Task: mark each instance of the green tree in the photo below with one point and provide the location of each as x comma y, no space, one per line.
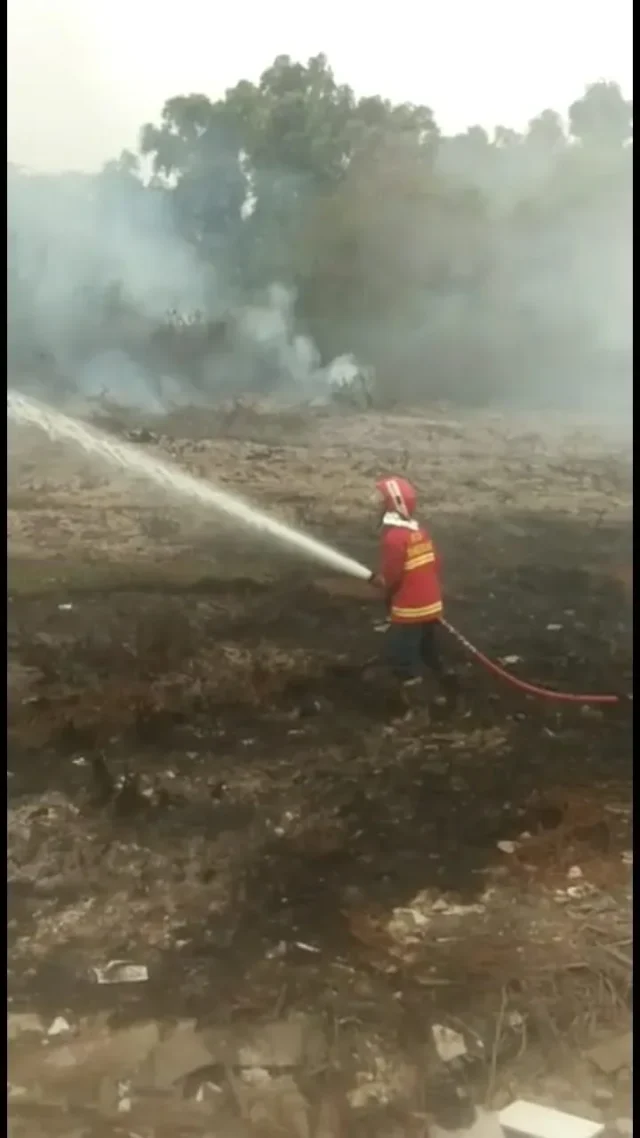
602,118
454,264
546,132
197,152
277,143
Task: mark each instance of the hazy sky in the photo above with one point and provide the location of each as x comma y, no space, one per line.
83,75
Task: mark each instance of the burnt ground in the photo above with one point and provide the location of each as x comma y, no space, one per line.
203,780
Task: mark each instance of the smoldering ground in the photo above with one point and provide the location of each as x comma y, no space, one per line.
199,781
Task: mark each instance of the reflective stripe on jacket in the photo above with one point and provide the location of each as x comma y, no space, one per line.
409,566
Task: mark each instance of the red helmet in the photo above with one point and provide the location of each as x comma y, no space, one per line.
398,495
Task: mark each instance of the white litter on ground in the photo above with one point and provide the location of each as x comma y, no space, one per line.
59,1026
530,1120
449,1044
121,972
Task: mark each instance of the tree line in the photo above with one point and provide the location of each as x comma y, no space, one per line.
481,266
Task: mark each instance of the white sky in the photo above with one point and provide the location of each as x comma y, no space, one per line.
83,75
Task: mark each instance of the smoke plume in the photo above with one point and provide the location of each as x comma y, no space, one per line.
490,269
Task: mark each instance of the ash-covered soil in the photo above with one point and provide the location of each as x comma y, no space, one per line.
203,780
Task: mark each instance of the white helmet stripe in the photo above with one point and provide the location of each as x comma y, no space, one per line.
398,500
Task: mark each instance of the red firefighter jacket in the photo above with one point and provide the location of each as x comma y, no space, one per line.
409,567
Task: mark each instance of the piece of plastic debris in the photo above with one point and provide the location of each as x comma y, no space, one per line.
65,608
306,947
59,1026
373,1089
554,627
627,857
531,1120
591,712
507,847
124,1106
256,1076
208,1090
449,1044
579,892
440,905
79,762
511,659
574,873
121,972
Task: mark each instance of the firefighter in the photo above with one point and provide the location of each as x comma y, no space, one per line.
409,577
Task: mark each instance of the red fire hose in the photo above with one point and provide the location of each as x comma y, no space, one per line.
532,689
